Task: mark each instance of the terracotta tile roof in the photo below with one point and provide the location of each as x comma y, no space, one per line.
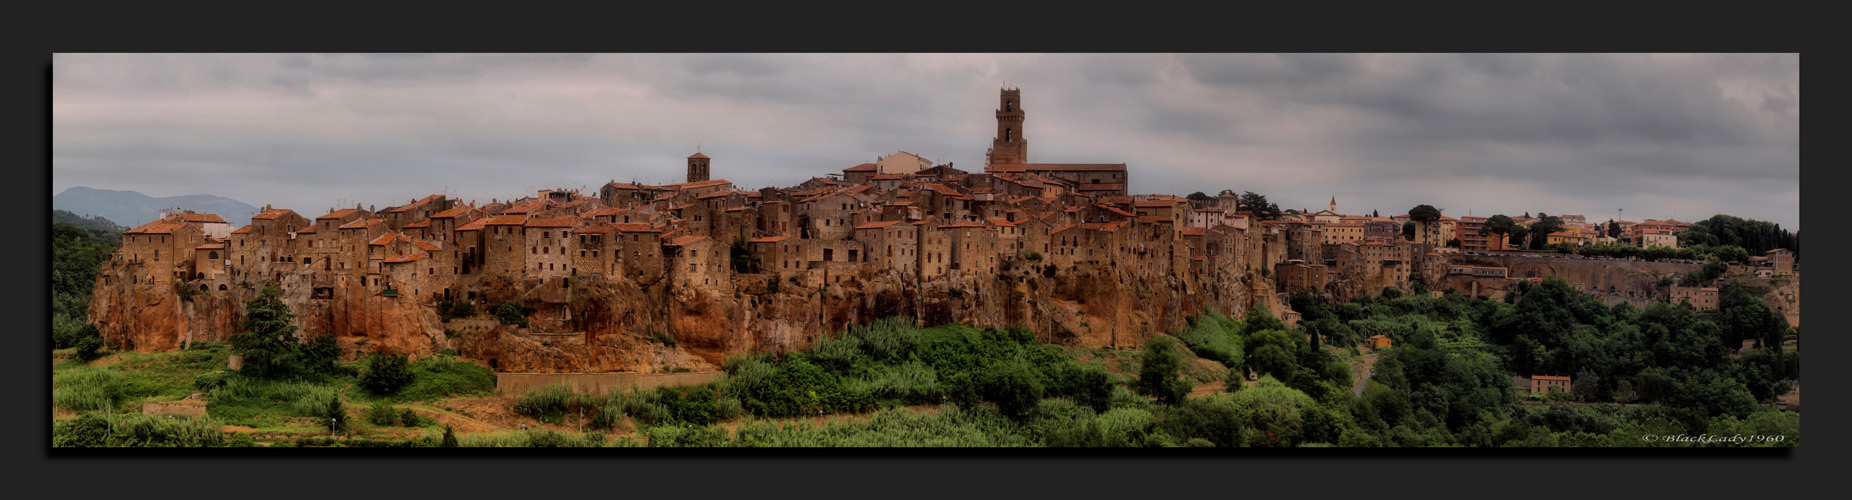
963,225
475,225
428,246
635,228
877,225
946,191
865,167
716,194
306,230
686,240
384,239
697,155
702,184
1549,377
1063,228
362,223
737,209
1116,210
403,258
505,220
422,223
597,229
1103,226
272,214
550,222
211,246
770,239
415,204
1192,231
1199,257
452,213
1002,222
202,218
339,214
622,185
247,229
1153,219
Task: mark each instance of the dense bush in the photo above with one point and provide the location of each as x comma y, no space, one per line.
382,414
386,374
510,313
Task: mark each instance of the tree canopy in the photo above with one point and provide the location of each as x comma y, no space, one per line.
1424,213
1258,205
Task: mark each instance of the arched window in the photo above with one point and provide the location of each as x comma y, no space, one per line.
1006,135
1009,106
221,287
213,255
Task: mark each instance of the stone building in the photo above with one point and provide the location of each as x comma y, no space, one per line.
697,168
546,241
889,245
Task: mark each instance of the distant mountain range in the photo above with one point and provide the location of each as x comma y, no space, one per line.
132,209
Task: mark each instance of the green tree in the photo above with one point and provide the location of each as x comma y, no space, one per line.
268,343
1014,387
1258,205
1160,373
1201,196
1499,224
385,374
1424,213
1408,230
1540,230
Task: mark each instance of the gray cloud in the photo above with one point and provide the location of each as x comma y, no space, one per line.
1691,134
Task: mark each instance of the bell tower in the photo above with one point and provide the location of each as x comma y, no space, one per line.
1009,146
697,168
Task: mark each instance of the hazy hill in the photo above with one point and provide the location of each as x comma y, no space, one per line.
129,208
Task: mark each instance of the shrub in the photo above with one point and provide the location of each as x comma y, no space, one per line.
686,437
458,309
386,374
510,313
546,404
89,348
1088,385
1014,387
381,413
450,438
410,418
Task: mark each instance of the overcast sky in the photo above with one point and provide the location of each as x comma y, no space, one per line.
1656,135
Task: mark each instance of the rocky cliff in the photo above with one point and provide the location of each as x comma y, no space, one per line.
590,324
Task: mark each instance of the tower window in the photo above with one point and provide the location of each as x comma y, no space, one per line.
1006,134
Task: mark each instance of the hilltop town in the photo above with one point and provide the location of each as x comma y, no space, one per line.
1065,249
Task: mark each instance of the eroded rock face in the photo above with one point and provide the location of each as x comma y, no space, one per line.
590,324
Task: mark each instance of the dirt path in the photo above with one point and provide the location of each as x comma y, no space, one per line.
1361,370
